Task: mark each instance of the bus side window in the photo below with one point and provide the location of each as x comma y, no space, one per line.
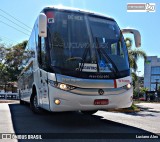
43,53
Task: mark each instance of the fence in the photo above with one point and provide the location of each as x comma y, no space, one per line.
10,96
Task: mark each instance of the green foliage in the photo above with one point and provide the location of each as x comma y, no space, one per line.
143,90
134,56
134,78
135,94
11,61
133,107
3,74
128,42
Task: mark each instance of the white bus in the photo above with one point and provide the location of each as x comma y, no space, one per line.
76,61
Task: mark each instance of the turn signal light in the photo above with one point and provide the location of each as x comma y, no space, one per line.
57,101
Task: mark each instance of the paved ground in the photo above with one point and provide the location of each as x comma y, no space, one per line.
16,118
6,124
152,107
148,119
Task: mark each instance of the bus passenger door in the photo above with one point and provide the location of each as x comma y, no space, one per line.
44,89
43,76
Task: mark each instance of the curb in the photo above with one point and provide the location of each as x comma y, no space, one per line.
8,101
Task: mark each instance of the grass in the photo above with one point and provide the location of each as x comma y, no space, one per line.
133,108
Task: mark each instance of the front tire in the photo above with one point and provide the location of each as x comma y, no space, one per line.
34,104
89,112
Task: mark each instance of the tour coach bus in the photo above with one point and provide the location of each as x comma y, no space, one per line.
76,60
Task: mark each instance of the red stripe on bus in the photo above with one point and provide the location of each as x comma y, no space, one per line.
50,14
115,83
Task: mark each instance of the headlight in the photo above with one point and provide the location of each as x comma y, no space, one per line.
61,85
128,86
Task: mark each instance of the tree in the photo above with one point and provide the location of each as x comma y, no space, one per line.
3,69
134,78
14,60
3,74
134,56
11,61
143,90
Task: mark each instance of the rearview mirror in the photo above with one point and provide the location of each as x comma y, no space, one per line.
137,36
42,25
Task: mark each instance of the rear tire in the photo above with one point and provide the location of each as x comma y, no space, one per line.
89,112
34,104
22,102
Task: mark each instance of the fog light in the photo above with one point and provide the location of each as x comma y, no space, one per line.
63,86
57,102
129,86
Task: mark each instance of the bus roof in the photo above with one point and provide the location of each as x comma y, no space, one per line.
61,7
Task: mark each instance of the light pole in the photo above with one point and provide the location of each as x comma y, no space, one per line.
138,83
156,91
156,84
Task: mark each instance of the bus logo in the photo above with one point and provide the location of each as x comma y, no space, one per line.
141,7
100,91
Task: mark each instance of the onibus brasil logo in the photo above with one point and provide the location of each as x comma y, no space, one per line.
141,7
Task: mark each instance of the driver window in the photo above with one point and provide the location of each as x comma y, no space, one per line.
114,49
43,52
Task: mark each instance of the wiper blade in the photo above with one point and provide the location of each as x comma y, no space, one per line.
108,59
83,58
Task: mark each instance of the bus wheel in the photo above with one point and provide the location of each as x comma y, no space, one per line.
34,104
89,112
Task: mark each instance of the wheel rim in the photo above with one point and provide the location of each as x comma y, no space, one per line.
35,102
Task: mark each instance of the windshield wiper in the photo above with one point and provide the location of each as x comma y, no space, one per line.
108,59
83,58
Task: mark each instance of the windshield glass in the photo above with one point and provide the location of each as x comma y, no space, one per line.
85,43
111,42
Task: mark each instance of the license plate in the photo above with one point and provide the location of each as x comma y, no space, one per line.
101,102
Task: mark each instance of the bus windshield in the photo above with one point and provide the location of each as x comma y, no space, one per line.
86,43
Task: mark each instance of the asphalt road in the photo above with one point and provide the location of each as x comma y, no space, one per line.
16,118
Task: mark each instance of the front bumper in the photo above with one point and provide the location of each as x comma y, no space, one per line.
75,102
